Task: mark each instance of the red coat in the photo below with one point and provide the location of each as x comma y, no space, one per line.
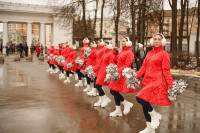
71,59
125,59
56,52
99,54
51,51
81,56
65,53
91,59
108,57
60,49
157,77
38,49
115,56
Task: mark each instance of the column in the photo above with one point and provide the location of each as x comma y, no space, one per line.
5,35
29,35
42,38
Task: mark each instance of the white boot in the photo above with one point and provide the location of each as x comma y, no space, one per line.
155,117
85,82
76,76
80,83
87,88
56,70
49,69
93,92
127,106
70,75
117,112
53,71
98,104
62,76
106,101
67,80
148,129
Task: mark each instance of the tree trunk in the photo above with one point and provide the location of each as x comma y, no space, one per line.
101,28
133,24
197,37
183,5
174,32
188,42
84,19
143,21
139,22
95,18
117,21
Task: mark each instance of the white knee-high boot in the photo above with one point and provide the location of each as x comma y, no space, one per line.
117,112
127,106
87,88
106,101
155,119
148,129
98,104
80,83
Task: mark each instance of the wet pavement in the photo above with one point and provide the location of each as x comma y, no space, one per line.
33,101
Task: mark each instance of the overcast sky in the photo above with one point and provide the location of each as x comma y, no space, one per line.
89,6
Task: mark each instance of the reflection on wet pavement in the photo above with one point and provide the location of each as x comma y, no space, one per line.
33,101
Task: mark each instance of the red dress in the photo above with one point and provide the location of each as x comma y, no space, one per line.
125,59
108,57
65,53
71,59
56,52
157,77
97,65
51,51
38,49
81,56
91,59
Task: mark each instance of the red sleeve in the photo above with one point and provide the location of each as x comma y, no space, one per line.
166,70
81,54
129,61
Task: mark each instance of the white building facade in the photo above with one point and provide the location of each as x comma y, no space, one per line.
30,14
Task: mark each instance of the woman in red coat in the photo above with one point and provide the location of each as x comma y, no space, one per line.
53,62
78,67
38,50
51,51
157,79
107,58
64,53
125,59
71,59
90,61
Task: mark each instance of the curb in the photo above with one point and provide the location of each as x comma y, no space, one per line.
184,72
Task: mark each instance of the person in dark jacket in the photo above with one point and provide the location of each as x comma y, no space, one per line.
32,49
149,48
139,56
21,48
42,49
26,50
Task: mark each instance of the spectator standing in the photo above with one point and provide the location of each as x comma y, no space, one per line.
26,50
38,50
7,49
21,50
42,49
139,56
32,49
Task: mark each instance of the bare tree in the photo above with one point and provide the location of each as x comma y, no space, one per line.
183,6
84,18
173,5
95,18
197,37
117,21
101,28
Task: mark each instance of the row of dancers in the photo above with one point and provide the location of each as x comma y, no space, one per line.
155,69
